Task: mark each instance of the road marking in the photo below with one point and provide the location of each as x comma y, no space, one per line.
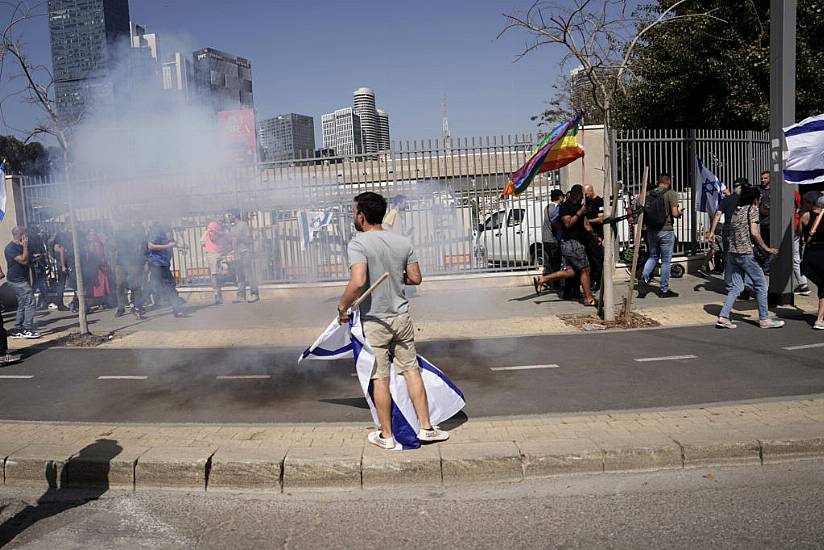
244,377
122,377
667,358
805,346
526,367
15,377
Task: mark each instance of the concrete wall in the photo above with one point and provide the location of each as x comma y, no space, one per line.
590,169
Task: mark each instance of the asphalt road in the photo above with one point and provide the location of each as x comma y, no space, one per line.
595,371
751,507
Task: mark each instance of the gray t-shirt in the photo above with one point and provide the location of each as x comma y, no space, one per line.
383,252
547,235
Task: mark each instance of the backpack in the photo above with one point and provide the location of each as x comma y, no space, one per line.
655,209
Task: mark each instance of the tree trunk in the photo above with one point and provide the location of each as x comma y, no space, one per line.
608,273
78,270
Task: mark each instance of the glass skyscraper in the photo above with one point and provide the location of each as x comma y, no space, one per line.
85,38
224,81
286,137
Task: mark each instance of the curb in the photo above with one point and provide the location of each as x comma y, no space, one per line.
280,470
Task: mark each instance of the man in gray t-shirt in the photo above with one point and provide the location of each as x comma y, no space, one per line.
385,314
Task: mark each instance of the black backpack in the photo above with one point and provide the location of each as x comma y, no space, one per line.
655,209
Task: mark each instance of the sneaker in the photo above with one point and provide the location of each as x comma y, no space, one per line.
253,297
16,334
8,359
643,288
723,322
668,294
31,335
376,438
804,290
52,306
819,325
771,323
432,435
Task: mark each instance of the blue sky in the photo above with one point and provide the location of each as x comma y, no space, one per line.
308,56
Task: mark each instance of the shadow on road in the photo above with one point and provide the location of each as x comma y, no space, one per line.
96,463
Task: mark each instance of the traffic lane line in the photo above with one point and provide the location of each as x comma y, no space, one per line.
804,346
15,377
525,367
666,358
244,377
122,377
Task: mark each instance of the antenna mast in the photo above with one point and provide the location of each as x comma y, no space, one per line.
447,138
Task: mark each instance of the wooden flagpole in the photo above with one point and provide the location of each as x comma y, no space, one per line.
369,290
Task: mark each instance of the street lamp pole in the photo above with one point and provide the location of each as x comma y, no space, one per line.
782,114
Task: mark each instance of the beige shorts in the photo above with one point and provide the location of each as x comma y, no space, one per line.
396,336
214,263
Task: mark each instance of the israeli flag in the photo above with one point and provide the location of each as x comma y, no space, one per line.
311,223
445,399
804,158
708,190
2,189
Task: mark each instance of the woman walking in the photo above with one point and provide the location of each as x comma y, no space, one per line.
811,233
745,229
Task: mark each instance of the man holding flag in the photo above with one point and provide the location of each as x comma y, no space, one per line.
387,326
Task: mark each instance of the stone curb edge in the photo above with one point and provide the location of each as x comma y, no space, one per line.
281,470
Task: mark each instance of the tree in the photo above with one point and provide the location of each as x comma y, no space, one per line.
35,88
25,158
601,36
715,72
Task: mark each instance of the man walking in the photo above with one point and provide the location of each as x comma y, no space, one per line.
17,260
6,358
131,251
385,313
243,244
595,244
160,260
660,235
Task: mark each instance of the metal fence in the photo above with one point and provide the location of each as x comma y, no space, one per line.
727,153
300,210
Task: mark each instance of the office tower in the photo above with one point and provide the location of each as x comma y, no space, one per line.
178,76
364,104
383,130
224,81
286,137
87,39
342,132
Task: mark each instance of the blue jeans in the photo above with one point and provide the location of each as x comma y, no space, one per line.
24,320
661,244
744,266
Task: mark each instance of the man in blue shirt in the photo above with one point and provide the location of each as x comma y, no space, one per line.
17,260
160,262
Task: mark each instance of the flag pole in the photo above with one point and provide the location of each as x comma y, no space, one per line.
369,290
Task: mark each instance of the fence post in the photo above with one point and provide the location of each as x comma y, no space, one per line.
692,149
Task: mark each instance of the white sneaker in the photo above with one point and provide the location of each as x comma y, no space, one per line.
723,322
771,323
433,435
819,325
376,438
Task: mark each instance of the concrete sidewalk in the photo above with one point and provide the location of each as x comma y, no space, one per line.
488,306
289,458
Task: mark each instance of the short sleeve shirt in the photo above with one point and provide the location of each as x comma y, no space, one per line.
17,272
740,236
670,201
547,232
595,208
383,252
727,208
577,232
161,258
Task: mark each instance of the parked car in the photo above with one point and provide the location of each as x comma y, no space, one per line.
512,233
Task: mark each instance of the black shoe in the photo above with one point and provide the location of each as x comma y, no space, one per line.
61,307
745,295
643,288
120,313
668,294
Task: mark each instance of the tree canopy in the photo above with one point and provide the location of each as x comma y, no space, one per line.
714,72
31,159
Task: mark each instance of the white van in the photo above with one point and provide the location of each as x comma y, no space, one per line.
512,233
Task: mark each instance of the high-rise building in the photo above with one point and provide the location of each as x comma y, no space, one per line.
144,71
373,135
364,104
86,38
583,93
383,130
224,81
178,76
342,132
286,137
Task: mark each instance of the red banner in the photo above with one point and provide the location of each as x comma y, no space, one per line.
238,131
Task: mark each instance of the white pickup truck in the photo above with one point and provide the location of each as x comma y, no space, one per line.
512,233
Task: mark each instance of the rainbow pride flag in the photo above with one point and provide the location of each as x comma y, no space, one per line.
557,149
